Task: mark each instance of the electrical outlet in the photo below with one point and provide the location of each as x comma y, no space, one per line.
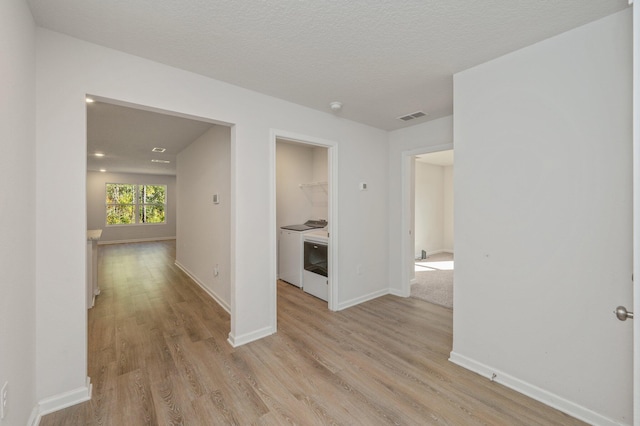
3,399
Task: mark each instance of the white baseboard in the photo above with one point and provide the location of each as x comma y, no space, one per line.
60,401
532,391
135,240
398,292
431,253
34,418
362,299
236,341
195,279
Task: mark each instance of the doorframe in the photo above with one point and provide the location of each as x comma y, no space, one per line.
232,184
408,195
636,210
332,215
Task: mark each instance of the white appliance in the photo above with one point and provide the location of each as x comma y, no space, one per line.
315,276
290,250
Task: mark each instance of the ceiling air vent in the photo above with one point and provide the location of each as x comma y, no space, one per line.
412,116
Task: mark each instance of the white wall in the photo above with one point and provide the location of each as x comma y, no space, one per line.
433,135
429,208
300,164
17,216
203,234
319,196
294,165
67,69
543,219
447,237
97,214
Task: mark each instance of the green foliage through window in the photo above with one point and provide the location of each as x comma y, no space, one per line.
130,204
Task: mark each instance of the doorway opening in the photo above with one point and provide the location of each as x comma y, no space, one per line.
304,206
427,175
433,228
138,152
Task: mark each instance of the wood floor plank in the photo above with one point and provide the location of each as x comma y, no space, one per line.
193,383
134,400
190,320
215,405
158,354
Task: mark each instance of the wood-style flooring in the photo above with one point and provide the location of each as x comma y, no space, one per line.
158,355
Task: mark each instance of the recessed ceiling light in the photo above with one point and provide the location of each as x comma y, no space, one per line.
156,149
89,100
103,170
99,154
160,161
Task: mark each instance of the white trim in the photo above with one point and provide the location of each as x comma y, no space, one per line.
213,295
34,418
334,260
396,292
362,299
243,339
636,213
432,252
233,224
273,234
59,402
532,391
135,240
407,231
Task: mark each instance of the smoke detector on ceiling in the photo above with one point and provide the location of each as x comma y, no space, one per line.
335,106
413,116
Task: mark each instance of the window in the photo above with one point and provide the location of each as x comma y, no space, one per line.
130,204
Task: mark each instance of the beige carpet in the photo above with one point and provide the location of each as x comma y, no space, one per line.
434,280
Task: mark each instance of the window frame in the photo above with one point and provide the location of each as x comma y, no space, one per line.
137,204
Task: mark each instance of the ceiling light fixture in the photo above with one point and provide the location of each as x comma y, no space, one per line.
103,170
156,149
89,100
160,161
99,154
335,106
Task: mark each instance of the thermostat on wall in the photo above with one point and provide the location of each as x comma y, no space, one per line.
363,186
216,199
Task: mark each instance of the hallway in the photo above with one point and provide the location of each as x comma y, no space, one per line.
158,355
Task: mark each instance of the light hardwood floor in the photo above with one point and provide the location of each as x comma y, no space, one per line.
158,355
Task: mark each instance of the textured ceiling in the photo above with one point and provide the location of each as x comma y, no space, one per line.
381,58
126,136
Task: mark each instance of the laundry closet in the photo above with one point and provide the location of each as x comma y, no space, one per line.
302,194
